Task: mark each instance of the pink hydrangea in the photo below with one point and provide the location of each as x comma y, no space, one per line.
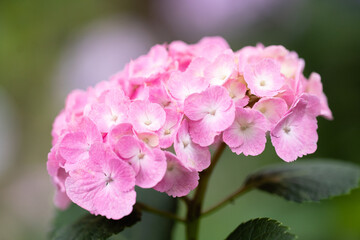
152,124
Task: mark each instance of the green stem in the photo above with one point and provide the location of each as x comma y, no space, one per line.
159,212
195,205
242,190
230,198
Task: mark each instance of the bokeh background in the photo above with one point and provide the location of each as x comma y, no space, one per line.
48,48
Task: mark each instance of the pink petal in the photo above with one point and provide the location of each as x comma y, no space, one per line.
221,69
61,200
146,116
211,112
183,84
273,108
214,106
264,78
118,131
178,181
168,132
152,168
127,147
149,138
295,134
237,91
247,134
201,133
159,95
103,187
74,148
314,87
192,156
149,164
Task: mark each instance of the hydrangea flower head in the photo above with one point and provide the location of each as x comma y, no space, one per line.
151,125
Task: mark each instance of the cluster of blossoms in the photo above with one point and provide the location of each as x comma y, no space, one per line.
119,134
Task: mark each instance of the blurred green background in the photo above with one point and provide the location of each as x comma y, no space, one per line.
48,48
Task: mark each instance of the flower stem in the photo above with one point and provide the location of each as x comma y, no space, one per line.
195,205
230,198
159,212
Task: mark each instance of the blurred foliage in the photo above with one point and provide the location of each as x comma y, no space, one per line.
325,33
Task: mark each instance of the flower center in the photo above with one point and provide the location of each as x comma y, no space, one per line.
141,155
212,112
148,122
244,127
287,130
108,179
114,118
185,143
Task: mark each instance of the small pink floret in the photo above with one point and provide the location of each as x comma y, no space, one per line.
146,116
178,180
247,134
104,185
295,134
192,155
264,78
210,112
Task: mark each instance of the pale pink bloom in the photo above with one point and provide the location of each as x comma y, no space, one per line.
146,116
74,146
117,132
61,199
187,96
277,52
192,155
287,94
292,65
313,107
121,78
96,94
218,72
211,112
314,87
168,132
237,91
149,164
111,110
58,175
201,133
103,185
140,92
295,134
181,53
178,180
249,55
264,78
210,47
149,66
247,134
59,127
52,163
273,108
183,84
159,95
296,82
197,67
75,102
151,139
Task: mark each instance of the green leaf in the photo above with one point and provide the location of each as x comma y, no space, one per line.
306,181
90,227
261,229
